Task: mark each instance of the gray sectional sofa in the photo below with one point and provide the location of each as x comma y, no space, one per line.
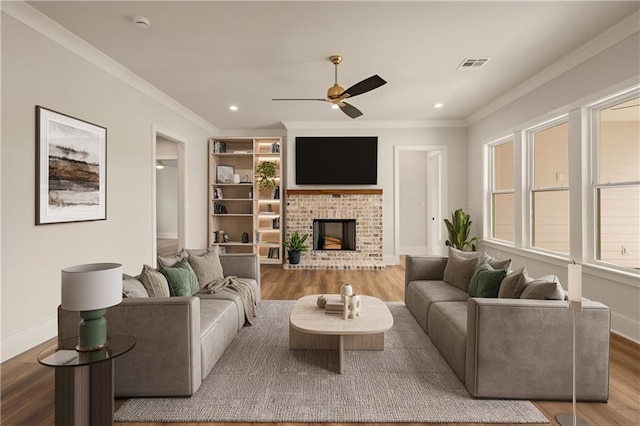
506,347
179,339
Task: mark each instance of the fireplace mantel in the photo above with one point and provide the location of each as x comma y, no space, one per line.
334,191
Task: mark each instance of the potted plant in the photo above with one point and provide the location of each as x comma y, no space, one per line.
459,228
266,171
295,245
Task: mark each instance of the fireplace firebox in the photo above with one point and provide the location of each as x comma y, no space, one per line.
334,234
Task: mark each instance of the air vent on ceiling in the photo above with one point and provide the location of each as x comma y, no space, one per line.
473,63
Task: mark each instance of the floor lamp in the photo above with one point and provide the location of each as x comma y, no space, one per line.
575,306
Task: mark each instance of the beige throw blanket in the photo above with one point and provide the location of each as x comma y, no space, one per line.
237,286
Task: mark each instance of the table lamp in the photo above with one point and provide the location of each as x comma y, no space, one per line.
91,289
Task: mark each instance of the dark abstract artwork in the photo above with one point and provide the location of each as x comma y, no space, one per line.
71,171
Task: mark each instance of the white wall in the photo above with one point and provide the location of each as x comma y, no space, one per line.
453,138
38,71
167,200
613,69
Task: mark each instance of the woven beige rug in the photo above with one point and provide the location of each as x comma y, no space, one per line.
259,379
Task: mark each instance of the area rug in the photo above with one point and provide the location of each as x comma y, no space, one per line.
259,379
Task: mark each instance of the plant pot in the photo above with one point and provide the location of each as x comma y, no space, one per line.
294,257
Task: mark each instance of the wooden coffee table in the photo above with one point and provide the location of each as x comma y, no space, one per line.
311,328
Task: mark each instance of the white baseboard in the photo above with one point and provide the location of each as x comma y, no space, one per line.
391,259
18,342
414,250
167,235
625,327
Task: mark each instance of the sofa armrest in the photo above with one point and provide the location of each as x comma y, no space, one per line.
243,265
523,349
430,268
166,360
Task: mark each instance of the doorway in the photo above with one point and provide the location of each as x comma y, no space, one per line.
419,199
169,194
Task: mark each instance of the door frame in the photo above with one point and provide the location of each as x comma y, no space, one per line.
435,149
181,145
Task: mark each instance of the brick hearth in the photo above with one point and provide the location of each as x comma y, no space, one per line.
365,206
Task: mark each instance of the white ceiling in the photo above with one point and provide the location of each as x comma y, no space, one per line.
208,55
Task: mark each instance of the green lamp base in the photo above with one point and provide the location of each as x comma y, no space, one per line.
92,331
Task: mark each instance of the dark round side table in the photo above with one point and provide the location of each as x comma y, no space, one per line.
84,380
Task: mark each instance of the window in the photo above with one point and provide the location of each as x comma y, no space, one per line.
616,181
549,147
502,217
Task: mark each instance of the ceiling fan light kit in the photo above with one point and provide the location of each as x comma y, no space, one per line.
336,93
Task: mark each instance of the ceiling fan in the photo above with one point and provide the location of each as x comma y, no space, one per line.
337,95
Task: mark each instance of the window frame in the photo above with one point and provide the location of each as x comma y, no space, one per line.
493,191
593,217
532,190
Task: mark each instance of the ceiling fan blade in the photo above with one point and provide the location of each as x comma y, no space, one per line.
299,99
350,110
364,86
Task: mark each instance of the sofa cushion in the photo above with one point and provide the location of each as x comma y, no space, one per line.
422,293
460,267
547,287
182,280
207,267
218,327
486,281
448,332
171,261
133,287
495,262
513,284
154,282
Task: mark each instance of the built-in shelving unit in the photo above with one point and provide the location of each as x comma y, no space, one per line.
238,206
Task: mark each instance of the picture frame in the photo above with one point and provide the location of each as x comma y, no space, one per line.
224,174
71,169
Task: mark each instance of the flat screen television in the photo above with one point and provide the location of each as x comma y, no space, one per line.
336,160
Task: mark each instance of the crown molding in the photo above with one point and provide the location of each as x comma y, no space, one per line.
622,30
37,21
391,124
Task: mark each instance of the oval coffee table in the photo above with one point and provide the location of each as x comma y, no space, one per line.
311,328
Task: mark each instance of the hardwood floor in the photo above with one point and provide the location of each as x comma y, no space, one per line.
28,388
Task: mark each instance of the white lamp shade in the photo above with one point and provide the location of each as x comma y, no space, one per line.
91,286
575,282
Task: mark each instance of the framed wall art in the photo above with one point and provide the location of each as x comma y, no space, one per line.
224,174
71,169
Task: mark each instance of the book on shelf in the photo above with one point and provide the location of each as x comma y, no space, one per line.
274,253
219,147
275,194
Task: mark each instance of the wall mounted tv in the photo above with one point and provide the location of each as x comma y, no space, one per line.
336,160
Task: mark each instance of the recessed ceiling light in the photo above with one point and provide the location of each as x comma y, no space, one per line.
141,22
233,108
438,105
335,106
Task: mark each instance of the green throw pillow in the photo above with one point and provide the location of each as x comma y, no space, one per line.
485,281
489,282
473,283
182,280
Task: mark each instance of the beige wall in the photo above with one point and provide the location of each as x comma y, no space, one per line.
37,71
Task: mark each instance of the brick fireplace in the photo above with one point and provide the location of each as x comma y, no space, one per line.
364,207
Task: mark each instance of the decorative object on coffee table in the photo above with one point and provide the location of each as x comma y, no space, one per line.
345,290
353,302
296,245
575,305
322,301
